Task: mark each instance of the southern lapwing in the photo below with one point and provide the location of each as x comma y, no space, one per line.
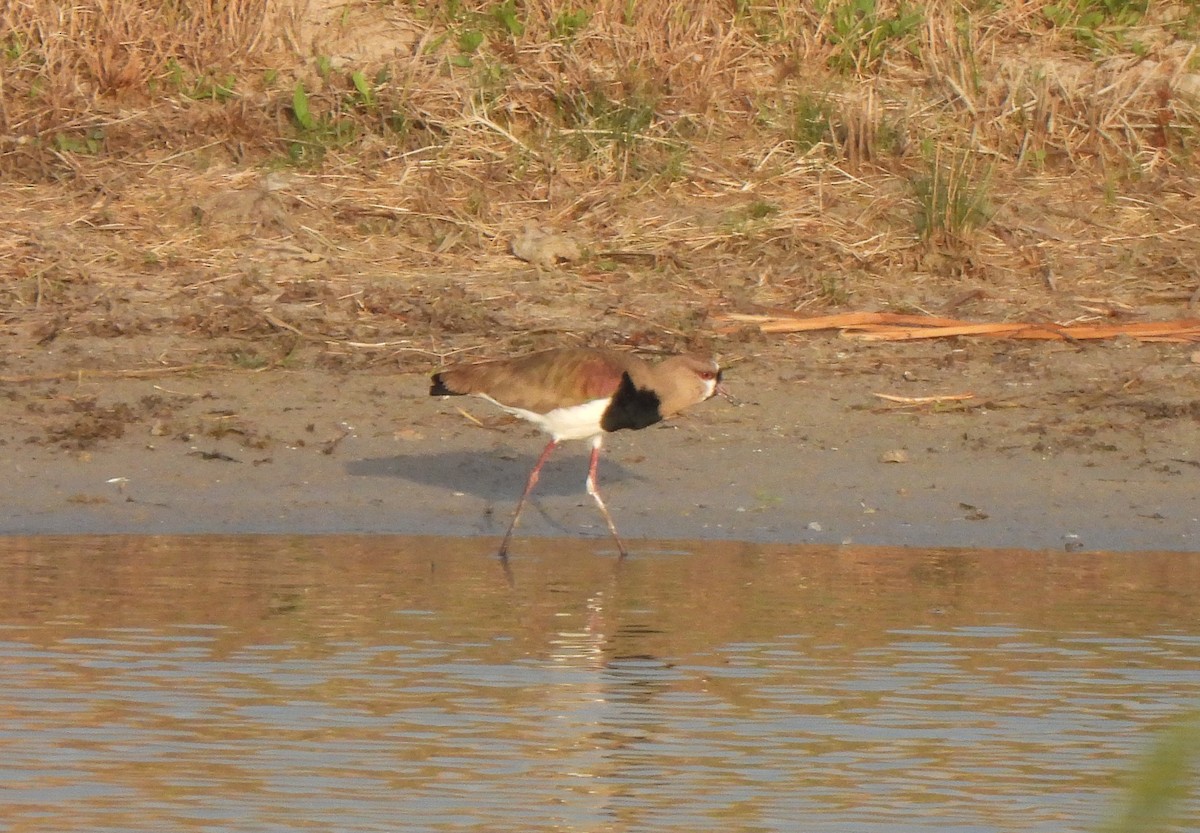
581,393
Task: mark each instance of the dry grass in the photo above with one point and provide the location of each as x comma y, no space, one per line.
339,181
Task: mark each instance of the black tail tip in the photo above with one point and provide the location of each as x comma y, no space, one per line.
438,388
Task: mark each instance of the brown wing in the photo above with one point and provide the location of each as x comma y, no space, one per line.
543,381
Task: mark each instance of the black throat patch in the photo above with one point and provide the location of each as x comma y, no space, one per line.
438,388
631,407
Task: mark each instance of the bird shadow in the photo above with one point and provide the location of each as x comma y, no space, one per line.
491,476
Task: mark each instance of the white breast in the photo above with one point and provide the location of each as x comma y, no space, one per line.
578,422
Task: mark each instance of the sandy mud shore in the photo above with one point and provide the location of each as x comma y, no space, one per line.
1060,446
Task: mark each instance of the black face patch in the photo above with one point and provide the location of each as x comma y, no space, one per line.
631,407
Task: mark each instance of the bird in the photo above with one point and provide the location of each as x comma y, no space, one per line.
583,393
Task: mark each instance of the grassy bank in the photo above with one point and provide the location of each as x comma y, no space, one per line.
353,174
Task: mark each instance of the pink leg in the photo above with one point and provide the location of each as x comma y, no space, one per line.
594,491
533,479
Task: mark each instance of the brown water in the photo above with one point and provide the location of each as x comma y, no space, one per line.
383,684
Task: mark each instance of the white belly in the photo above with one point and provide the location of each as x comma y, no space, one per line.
578,422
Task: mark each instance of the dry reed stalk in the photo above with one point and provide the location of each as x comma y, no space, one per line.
875,326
